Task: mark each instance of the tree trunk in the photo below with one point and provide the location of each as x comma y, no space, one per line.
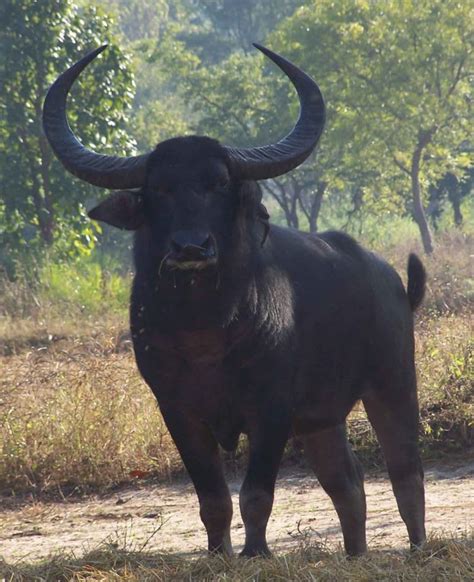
455,199
295,221
418,210
458,217
316,207
44,217
286,199
43,196
45,177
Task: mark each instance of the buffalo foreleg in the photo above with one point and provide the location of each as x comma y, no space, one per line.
340,474
199,451
266,445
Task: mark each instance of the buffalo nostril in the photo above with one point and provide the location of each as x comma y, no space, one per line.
208,247
192,246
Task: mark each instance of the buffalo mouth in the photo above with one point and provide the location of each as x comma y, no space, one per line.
190,265
191,251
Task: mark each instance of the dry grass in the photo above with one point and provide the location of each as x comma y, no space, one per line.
74,412
441,559
450,269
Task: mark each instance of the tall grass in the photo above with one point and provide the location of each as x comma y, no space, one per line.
78,416
85,285
450,270
59,289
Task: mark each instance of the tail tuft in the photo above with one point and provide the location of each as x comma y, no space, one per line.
416,281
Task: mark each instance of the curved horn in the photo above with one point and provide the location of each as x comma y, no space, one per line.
273,160
100,170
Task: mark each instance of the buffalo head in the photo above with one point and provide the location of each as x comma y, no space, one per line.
189,191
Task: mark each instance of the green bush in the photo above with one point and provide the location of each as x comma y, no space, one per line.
84,285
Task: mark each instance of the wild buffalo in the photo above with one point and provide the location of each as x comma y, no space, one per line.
242,327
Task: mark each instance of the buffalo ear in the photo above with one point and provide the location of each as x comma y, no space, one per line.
123,209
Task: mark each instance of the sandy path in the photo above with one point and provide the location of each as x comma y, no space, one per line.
132,517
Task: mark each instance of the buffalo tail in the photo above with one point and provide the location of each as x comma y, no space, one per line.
416,281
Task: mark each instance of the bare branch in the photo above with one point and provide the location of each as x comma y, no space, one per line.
457,78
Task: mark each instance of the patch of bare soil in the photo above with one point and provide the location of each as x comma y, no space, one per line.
166,517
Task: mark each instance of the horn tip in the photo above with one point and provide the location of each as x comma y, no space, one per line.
96,52
275,57
259,46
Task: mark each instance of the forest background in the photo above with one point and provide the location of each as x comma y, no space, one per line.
394,168
395,160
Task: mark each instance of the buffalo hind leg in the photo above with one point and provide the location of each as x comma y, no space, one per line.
340,474
200,453
394,416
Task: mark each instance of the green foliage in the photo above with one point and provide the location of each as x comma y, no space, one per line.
84,286
41,204
220,27
385,106
396,77
140,19
392,74
159,109
95,285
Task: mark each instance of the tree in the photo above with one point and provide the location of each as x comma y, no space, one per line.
404,71
140,19
186,89
245,101
160,112
41,203
216,28
452,188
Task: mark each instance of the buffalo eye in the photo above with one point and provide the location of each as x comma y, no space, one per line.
216,178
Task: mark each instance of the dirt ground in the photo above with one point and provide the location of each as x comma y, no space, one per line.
166,517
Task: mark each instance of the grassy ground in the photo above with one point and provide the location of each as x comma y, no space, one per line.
441,559
74,412
75,416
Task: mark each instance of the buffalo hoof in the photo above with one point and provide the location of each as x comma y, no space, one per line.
418,546
220,552
253,552
356,552
224,549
